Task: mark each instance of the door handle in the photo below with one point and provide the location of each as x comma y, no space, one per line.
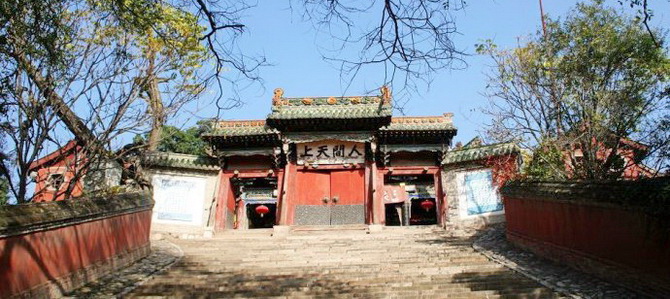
336,199
325,199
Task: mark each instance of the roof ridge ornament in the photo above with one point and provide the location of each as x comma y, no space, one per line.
386,94
277,97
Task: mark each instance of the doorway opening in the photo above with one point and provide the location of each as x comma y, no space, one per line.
256,202
410,200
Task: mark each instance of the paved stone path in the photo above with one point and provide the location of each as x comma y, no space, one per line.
425,262
163,254
576,284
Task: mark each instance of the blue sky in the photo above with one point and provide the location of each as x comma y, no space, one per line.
292,46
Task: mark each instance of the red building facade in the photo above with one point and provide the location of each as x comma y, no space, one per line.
331,161
56,172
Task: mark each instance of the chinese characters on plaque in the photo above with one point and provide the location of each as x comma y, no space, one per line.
330,152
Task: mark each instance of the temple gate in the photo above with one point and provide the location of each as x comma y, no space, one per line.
329,161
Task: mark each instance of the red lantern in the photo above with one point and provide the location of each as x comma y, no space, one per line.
262,210
427,205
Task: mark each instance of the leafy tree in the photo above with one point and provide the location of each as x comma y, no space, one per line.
174,140
97,70
596,79
166,45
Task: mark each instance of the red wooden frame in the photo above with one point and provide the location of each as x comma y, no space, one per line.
226,197
436,171
287,189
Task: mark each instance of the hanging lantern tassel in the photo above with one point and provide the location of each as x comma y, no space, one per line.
262,210
427,205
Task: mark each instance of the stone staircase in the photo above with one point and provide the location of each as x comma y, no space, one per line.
410,262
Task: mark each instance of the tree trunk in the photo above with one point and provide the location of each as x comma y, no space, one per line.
69,118
155,104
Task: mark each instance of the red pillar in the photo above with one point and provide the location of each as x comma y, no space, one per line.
440,197
280,188
287,194
378,203
222,200
368,191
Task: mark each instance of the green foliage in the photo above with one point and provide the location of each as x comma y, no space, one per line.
595,78
160,29
546,163
175,140
4,191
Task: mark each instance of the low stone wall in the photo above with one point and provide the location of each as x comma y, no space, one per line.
618,231
49,249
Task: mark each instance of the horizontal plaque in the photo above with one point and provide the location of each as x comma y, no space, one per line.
330,152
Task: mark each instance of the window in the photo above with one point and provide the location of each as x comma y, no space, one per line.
55,181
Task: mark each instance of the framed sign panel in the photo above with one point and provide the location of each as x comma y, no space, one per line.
478,195
179,199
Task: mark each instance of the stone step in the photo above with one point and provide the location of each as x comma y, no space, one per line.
338,262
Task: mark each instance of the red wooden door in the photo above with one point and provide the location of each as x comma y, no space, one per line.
312,187
348,186
312,202
347,193
329,197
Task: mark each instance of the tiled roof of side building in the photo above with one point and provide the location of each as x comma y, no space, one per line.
232,128
180,161
423,123
330,107
480,152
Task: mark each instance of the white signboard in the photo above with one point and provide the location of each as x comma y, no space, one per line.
179,199
330,152
478,194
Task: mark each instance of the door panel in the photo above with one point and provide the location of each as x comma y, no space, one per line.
345,185
312,215
311,188
347,214
348,186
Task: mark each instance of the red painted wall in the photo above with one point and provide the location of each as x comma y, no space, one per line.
67,166
32,259
598,231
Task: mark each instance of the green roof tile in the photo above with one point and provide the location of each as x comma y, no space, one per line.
330,108
481,152
240,128
330,112
431,123
183,161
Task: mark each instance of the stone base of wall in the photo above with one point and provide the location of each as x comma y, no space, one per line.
63,285
621,274
179,231
474,223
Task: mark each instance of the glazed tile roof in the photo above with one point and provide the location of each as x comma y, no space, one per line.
183,161
426,123
330,108
240,128
480,152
